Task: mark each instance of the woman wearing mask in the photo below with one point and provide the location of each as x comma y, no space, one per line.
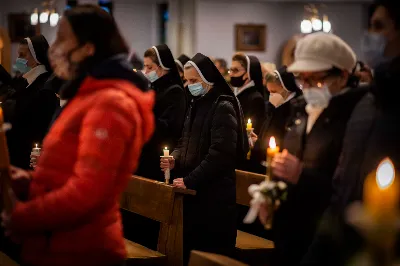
169,110
247,80
214,141
282,88
34,103
180,63
70,215
325,65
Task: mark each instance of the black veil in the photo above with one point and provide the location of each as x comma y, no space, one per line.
167,62
210,75
255,73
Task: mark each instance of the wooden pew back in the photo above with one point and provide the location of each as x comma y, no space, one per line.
243,181
199,258
163,203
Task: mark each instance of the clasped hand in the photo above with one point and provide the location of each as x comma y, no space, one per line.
169,163
287,167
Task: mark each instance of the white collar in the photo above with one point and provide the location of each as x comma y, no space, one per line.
290,97
245,87
35,72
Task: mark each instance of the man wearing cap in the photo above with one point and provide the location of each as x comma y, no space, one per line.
323,66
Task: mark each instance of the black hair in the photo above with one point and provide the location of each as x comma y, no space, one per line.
91,24
352,81
24,42
391,6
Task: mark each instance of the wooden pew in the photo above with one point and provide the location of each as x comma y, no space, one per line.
163,203
250,248
198,258
6,261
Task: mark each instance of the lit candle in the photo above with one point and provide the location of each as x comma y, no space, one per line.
272,149
36,150
381,191
166,152
249,125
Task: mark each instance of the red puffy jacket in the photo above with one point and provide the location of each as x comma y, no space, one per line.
72,216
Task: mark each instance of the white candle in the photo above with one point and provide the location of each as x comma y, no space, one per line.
36,150
166,152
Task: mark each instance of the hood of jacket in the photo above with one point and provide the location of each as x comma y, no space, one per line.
118,76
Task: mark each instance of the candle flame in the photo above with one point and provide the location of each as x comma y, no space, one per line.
249,121
319,85
272,143
36,145
166,148
385,174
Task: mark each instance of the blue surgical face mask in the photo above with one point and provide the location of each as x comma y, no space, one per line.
373,47
197,89
21,65
152,76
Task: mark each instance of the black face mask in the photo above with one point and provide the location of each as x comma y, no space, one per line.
238,82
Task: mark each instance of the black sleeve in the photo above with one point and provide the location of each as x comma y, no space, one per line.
172,118
222,152
258,113
46,103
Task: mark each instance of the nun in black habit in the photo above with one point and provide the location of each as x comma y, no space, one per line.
34,104
247,79
169,109
213,142
180,63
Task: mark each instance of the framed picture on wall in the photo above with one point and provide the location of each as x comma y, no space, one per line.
250,37
19,27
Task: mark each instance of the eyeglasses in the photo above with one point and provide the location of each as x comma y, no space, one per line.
311,82
235,70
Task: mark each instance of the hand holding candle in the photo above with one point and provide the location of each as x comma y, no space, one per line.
166,163
272,150
249,125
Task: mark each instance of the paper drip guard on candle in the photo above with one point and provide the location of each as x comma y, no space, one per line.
167,173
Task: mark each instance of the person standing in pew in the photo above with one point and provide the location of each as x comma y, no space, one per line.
67,214
34,104
213,142
247,81
325,65
373,131
180,63
169,110
282,90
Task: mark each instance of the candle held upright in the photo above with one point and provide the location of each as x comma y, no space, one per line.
167,173
249,130
5,178
381,192
272,150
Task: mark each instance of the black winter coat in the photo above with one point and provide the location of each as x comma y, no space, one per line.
373,133
296,220
274,125
169,112
34,108
253,106
206,158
